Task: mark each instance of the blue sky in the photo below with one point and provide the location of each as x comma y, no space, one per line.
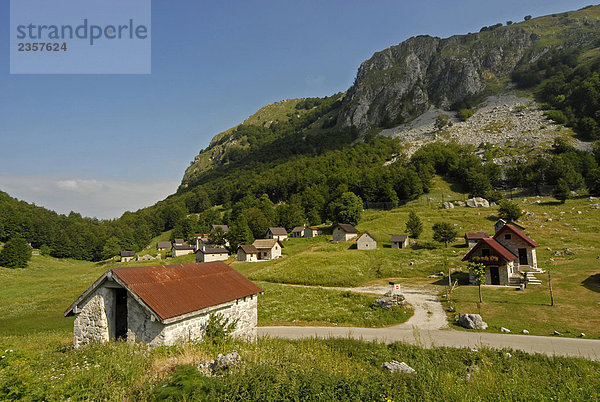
103,144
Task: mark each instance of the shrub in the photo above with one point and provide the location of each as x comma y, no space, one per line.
464,114
15,254
558,116
219,328
509,210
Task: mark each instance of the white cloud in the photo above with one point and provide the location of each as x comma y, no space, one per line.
90,197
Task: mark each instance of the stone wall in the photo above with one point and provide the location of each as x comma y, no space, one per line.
94,320
245,310
201,257
140,327
514,244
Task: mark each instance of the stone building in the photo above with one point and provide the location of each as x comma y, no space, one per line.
312,231
472,238
298,231
277,234
399,241
247,252
366,241
344,232
182,249
268,249
127,256
212,254
163,305
508,257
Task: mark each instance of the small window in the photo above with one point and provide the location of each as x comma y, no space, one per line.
507,236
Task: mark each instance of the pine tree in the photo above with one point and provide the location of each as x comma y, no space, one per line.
414,226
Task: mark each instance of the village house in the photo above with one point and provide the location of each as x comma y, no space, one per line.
508,257
200,239
344,232
163,245
247,253
268,249
312,231
277,234
178,242
212,254
399,241
183,249
472,238
163,305
366,241
127,256
298,231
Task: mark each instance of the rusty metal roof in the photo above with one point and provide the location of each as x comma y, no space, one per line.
173,290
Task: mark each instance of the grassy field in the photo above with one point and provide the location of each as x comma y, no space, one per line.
290,370
316,306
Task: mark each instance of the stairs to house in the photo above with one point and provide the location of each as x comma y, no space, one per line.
532,280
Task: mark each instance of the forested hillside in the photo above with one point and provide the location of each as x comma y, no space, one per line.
305,160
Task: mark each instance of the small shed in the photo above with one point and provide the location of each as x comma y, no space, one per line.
212,254
399,241
312,231
184,249
298,231
277,234
163,305
127,256
247,252
344,232
366,241
472,238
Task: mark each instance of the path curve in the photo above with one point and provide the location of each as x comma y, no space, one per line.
428,327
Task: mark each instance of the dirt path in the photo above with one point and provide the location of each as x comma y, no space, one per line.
429,328
428,311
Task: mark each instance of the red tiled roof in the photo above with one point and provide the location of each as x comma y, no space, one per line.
174,290
518,233
494,245
476,235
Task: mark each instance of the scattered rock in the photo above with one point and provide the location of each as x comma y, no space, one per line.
451,309
460,204
549,220
507,355
493,204
472,321
389,300
556,253
396,367
530,214
224,362
568,252
557,333
591,199
471,369
505,330
474,350
582,335
548,249
525,332
411,263
477,202
595,206
447,205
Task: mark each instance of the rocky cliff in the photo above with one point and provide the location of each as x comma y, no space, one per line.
403,81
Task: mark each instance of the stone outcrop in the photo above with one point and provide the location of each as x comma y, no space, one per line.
396,367
400,83
472,321
390,300
477,202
